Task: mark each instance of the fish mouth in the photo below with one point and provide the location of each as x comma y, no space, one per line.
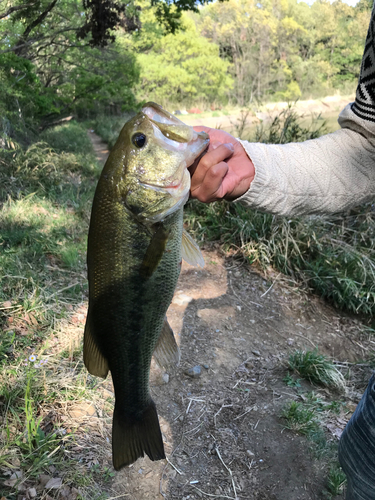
173,188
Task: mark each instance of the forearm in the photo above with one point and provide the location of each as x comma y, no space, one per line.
325,175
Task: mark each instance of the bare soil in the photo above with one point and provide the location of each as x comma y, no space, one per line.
223,433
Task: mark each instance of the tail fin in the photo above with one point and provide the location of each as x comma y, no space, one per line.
132,438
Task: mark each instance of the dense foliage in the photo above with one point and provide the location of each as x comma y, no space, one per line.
88,57
286,48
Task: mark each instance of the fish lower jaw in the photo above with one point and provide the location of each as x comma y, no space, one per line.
170,188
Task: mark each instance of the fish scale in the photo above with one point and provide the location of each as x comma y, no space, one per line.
134,260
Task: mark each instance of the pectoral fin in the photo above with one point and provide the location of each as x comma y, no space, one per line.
154,252
190,251
167,353
94,360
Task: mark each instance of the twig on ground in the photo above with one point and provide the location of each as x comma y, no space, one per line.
213,496
230,472
306,338
217,413
270,288
175,468
119,496
245,413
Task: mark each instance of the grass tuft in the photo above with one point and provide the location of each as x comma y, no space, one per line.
300,418
336,480
316,368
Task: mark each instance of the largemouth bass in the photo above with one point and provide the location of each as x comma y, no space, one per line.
136,241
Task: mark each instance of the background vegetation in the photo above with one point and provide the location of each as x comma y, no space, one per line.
62,56
97,62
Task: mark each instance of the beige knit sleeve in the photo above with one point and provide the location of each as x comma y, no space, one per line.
320,176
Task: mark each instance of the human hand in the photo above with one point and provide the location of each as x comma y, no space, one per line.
224,172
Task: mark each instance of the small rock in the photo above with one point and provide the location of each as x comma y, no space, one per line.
255,352
54,483
250,453
32,492
14,478
206,366
194,372
239,308
180,299
290,341
237,274
43,479
81,410
165,378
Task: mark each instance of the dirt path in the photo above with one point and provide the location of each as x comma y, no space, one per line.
100,147
223,434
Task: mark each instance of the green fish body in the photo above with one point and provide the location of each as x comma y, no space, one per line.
134,260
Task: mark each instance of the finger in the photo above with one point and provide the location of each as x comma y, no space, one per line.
210,159
211,188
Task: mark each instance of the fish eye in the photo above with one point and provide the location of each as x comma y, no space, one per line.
139,140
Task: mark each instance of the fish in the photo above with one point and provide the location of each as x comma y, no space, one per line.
136,242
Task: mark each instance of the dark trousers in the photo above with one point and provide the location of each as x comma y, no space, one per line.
357,448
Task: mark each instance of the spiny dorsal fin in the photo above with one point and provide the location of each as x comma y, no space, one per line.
94,360
190,251
154,252
167,353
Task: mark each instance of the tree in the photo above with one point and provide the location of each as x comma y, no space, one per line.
55,59
183,67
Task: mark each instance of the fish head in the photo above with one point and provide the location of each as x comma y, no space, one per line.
150,160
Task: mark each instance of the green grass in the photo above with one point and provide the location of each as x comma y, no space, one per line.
316,368
46,193
300,418
336,480
307,418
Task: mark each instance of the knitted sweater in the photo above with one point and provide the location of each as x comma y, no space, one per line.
325,175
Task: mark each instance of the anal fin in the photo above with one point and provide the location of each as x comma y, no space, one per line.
167,353
190,251
94,360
